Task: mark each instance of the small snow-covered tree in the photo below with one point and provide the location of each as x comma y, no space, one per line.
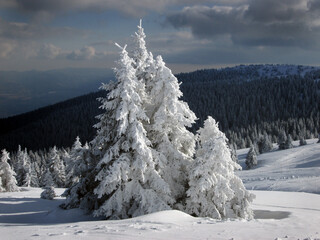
302,141
282,138
233,151
76,154
8,182
23,168
215,191
57,168
288,143
46,180
265,144
48,193
251,159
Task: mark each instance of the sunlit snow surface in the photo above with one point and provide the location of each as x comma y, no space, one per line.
294,170
279,215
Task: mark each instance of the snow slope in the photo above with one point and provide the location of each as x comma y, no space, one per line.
278,214
296,169
283,215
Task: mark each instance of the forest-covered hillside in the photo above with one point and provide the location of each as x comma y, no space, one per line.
246,100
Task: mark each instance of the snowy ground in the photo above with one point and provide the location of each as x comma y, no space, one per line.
294,170
279,215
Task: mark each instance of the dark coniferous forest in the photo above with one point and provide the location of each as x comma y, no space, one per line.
247,101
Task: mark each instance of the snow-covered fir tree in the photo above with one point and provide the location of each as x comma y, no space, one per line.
140,160
302,141
288,142
126,182
233,151
35,169
56,168
140,55
128,179
251,159
214,189
8,182
282,139
169,118
48,193
47,180
76,155
264,143
23,168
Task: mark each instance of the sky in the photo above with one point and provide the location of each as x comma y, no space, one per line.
53,34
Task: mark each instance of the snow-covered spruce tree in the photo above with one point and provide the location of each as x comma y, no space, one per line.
251,159
302,141
233,151
282,138
128,180
76,155
288,143
140,55
56,168
125,180
23,168
215,191
8,182
265,144
173,143
47,180
48,193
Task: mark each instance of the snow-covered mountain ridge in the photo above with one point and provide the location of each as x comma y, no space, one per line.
245,73
276,70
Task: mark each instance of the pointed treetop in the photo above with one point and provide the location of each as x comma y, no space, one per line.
122,48
77,144
5,156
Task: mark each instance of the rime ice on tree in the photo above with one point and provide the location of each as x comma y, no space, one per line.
251,159
127,178
215,191
141,157
8,182
167,130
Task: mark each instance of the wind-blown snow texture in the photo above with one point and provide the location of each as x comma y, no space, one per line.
278,215
296,169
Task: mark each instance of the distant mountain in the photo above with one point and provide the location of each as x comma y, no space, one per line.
247,101
25,91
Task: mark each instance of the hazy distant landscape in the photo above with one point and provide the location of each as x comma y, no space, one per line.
22,92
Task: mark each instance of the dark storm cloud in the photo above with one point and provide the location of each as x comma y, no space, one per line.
128,7
257,23
314,5
136,8
27,31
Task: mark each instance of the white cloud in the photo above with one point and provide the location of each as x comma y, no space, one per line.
6,48
86,53
49,51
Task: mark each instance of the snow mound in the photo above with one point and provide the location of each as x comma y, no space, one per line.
168,216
